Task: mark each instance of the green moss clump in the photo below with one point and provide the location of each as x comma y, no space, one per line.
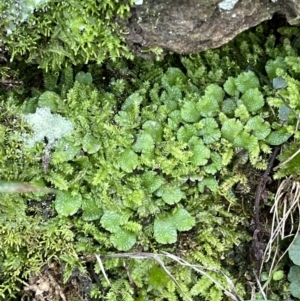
53,34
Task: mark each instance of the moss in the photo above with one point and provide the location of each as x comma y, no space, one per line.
53,34
152,164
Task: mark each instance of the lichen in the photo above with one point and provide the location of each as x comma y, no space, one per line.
46,125
227,4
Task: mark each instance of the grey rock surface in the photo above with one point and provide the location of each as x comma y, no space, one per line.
190,26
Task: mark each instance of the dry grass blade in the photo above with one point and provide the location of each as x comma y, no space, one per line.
19,187
156,257
200,269
285,204
102,269
259,285
287,160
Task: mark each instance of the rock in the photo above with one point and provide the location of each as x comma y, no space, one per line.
192,26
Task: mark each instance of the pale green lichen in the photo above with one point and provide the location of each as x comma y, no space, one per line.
227,4
46,125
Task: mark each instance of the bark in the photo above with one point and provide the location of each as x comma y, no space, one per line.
189,26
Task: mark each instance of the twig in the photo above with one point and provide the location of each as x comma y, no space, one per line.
262,185
257,237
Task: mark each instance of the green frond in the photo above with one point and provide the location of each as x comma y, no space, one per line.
229,106
110,221
288,30
230,129
154,129
123,240
253,100
128,160
174,77
67,204
273,66
132,227
91,210
200,153
210,183
152,181
189,112
186,132
242,112
210,130
215,165
170,194
59,181
227,155
164,230
50,80
144,143
278,137
246,81
182,220
275,102
201,287
259,127
230,86
293,63
208,106
214,92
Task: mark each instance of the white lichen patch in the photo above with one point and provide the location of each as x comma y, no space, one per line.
20,11
46,125
227,4
138,2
